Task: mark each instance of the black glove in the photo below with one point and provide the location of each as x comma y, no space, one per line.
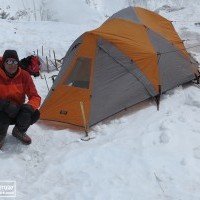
3,104
27,108
11,110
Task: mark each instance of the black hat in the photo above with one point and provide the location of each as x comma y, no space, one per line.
10,54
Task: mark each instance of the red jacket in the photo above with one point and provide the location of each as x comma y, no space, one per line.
16,89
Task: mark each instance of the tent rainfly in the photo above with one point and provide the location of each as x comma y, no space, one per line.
135,55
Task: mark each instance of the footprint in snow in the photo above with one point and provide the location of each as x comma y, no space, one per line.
164,138
196,152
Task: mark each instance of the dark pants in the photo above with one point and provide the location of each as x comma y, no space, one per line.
22,121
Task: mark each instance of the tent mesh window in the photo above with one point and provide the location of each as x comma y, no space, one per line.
80,74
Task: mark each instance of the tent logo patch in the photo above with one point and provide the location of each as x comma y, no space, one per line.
63,112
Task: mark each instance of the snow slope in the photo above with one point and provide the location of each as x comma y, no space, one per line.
138,154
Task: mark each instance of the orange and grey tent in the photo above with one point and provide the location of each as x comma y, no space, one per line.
135,55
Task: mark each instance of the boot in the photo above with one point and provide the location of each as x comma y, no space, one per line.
2,140
23,137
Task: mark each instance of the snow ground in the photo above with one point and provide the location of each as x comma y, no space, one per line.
137,154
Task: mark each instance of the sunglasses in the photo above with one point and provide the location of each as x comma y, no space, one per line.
11,62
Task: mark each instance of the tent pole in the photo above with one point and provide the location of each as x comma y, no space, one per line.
157,98
84,119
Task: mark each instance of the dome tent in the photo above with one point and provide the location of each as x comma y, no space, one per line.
135,55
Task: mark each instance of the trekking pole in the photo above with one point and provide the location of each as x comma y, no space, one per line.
54,54
46,82
84,119
42,51
47,64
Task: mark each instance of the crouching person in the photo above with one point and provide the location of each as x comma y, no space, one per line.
15,85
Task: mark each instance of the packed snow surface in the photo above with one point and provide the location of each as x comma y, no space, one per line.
137,154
